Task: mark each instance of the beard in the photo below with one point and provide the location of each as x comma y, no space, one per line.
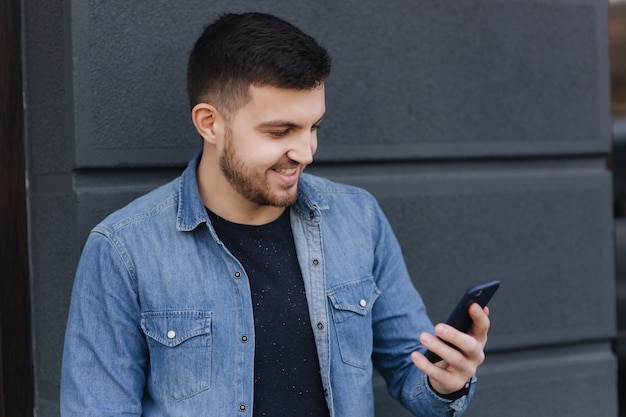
251,185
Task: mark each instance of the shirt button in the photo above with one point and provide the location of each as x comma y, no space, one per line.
311,214
316,262
362,303
171,334
237,274
320,325
244,339
242,407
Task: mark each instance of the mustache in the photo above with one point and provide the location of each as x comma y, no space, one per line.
287,164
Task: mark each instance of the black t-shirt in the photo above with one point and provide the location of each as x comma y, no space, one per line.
286,368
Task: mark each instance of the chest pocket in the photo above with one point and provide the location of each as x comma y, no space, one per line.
351,308
180,351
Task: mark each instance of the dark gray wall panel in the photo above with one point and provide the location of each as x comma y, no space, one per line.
443,78
53,261
434,80
428,79
52,213
543,229
129,81
48,88
572,381
100,193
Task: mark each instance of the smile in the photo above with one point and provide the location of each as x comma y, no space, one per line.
287,171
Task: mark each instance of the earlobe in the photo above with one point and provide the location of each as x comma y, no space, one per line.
206,119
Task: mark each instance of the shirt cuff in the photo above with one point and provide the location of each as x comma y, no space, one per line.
453,395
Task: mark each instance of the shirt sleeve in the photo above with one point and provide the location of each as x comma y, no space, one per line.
399,317
104,357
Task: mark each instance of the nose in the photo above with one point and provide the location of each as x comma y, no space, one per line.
303,148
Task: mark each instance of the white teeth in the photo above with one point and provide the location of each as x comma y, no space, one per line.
289,171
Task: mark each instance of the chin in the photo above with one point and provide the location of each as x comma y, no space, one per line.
284,199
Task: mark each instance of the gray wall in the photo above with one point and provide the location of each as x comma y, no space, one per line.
481,126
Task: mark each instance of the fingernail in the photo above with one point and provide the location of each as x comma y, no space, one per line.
426,338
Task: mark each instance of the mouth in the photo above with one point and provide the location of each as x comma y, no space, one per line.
287,171
287,176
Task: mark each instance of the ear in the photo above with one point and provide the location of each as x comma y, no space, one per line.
208,122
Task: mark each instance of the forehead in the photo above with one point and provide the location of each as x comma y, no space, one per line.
267,103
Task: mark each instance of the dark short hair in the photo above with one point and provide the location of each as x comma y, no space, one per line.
240,50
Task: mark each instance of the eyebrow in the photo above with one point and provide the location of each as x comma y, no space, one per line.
284,123
277,123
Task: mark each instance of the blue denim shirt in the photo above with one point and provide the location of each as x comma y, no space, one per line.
161,320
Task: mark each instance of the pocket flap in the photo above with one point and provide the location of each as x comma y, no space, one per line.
171,328
356,296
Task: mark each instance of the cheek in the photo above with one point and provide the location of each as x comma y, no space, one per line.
248,148
262,155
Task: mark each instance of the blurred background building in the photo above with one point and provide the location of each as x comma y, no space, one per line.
617,42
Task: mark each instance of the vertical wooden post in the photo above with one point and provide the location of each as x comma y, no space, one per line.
16,370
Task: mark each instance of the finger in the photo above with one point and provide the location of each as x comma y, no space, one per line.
440,346
467,346
480,322
442,380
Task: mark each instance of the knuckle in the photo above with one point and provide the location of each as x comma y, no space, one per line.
479,353
481,356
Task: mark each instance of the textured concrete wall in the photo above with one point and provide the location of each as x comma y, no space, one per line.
481,126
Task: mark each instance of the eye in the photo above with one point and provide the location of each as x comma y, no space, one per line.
279,133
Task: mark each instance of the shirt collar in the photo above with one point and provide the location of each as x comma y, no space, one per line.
310,202
191,210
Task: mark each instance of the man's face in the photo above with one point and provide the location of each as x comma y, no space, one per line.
269,142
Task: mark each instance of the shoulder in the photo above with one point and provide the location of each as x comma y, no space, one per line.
148,206
340,197
328,187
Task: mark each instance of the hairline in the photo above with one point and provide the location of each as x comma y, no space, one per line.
228,104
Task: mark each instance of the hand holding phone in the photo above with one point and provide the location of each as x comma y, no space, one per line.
460,318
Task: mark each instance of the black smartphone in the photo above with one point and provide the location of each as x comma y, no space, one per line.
460,318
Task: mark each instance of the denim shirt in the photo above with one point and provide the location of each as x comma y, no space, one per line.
161,320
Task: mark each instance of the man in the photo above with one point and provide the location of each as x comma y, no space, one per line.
246,287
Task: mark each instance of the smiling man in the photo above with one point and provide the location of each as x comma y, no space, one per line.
246,286
253,161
